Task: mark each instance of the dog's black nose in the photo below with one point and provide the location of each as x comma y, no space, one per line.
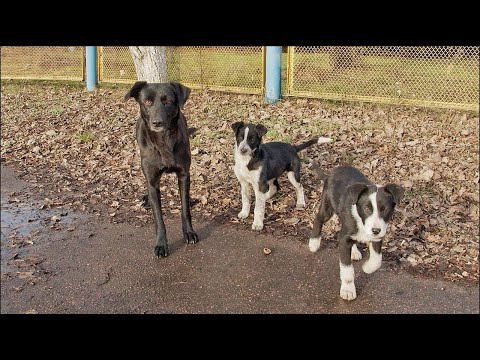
156,123
376,231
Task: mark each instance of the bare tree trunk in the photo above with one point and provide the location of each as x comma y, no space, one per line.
150,63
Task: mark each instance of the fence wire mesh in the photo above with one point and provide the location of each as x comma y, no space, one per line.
228,68
439,76
43,62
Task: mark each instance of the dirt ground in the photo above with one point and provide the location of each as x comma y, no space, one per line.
59,261
75,237
79,149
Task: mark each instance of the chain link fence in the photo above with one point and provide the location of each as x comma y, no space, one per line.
227,68
43,62
438,76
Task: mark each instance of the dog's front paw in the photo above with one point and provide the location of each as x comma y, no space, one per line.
356,254
190,237
348,291
161,251
314,244
371,266
257,225
243,214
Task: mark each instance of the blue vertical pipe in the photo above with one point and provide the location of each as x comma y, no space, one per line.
273,72
91,67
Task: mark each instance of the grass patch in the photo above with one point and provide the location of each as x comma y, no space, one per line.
392,77
417,191
57,110
321,126
14,85
347,158
85,137
196,141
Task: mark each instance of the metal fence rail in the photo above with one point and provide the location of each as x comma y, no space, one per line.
43,62
227,68
437,76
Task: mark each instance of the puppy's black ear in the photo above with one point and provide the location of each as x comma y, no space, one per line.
182,93
236,126
261,130
354,192
396,191
135,90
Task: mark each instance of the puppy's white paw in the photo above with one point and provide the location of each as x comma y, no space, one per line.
243,214
356,254
314,244
348,291
371,266
257,226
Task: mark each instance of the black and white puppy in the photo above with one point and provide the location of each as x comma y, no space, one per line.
259,165
364,210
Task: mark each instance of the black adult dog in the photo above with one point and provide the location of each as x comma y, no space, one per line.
163,139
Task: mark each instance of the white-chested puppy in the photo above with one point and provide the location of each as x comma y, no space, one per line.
364,210
259,165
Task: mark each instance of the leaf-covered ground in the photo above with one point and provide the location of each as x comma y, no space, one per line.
79,148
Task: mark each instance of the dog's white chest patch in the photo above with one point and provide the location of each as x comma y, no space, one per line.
241,162
241,170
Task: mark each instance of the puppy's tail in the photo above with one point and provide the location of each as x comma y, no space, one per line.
321,174
319,140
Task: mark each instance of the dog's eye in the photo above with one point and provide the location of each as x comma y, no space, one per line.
384,209
250,138
167,102
366,209
148,102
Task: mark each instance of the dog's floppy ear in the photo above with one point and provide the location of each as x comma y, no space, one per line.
135,90
236,126
261,130
354,192
182,93
396,191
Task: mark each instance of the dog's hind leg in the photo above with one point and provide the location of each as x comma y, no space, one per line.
246,196
272,188
294,178
323,215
